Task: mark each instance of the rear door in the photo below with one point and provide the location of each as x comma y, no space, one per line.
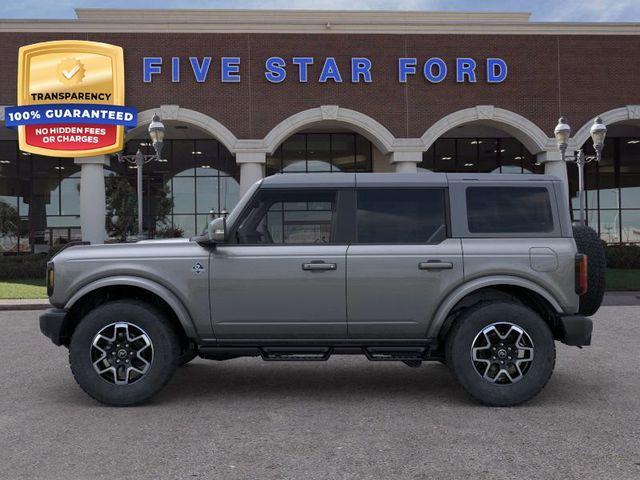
402,262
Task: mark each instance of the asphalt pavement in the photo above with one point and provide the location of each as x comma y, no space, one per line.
342,419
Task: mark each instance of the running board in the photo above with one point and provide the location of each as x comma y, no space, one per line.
391,354
296,354
274,353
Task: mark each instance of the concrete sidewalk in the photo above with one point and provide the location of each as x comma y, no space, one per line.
610,299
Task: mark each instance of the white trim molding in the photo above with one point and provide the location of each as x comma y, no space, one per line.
373,130
531,136
622,114
200,120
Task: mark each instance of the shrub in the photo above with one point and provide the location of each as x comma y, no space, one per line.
13,267
169,232
623,256
23,266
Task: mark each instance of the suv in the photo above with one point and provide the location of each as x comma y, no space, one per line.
480,272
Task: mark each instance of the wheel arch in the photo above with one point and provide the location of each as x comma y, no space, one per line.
523,290
122,287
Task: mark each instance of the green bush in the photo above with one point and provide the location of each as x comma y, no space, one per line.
23,266
623,256
34,265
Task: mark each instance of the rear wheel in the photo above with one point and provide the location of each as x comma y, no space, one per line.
501,353
123,352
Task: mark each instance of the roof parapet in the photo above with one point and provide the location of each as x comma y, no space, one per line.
297,16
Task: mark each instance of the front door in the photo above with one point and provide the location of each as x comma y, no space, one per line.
401,264
282,275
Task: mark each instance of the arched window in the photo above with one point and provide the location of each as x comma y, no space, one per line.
322,152
194,178
479,154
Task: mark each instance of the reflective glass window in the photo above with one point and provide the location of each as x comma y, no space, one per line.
400,215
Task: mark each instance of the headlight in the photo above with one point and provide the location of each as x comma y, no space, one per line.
50,278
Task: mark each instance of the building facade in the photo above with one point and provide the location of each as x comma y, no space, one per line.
251,93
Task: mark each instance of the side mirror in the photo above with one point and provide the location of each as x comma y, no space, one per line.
218,230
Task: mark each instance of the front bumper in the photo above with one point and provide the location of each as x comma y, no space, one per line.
52,323
575,330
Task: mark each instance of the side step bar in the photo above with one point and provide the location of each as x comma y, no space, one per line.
403,354
293,354
411,354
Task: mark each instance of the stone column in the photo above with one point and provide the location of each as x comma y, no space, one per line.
406,162
553,165
251,168
92,198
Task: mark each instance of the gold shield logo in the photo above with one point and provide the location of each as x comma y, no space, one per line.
78,74
70,71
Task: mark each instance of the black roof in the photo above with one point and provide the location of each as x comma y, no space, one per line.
318,180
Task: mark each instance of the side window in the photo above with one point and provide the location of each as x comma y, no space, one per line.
401,215
509,210
281,217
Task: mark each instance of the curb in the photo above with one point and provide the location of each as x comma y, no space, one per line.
17,305
619,299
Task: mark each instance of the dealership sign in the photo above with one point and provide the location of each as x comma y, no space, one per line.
323,70
70,99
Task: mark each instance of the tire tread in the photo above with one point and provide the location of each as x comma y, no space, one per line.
449,354
174,351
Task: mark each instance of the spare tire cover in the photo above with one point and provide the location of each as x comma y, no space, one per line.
589,243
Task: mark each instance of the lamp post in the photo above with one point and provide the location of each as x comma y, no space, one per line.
562,133
156,133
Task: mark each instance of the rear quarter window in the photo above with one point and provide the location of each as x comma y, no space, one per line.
509,210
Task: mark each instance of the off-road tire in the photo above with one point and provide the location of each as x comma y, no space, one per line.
589,243
458,351
166,351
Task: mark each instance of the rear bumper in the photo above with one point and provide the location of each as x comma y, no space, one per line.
575,330
52,324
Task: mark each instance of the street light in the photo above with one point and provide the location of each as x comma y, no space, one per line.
156,133
562,133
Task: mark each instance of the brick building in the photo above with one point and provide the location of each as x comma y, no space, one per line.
251,93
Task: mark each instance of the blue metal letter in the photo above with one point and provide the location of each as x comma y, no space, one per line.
465,67
496,70
200,71
303,64
406,66
151,66
230,70
428,70
330,71
275,69
360,66
175,69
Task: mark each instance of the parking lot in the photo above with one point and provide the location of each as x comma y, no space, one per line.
342,419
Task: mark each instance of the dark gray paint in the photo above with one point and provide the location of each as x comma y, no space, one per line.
375,291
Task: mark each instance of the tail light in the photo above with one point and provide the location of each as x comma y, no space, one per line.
50,278
581,274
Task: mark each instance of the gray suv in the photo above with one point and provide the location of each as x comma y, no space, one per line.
480,272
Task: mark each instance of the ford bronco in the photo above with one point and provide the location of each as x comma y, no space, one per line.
481,272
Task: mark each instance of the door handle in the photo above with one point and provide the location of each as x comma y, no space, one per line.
319,266
435,265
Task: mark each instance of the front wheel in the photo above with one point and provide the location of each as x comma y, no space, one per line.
123,352
502,353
